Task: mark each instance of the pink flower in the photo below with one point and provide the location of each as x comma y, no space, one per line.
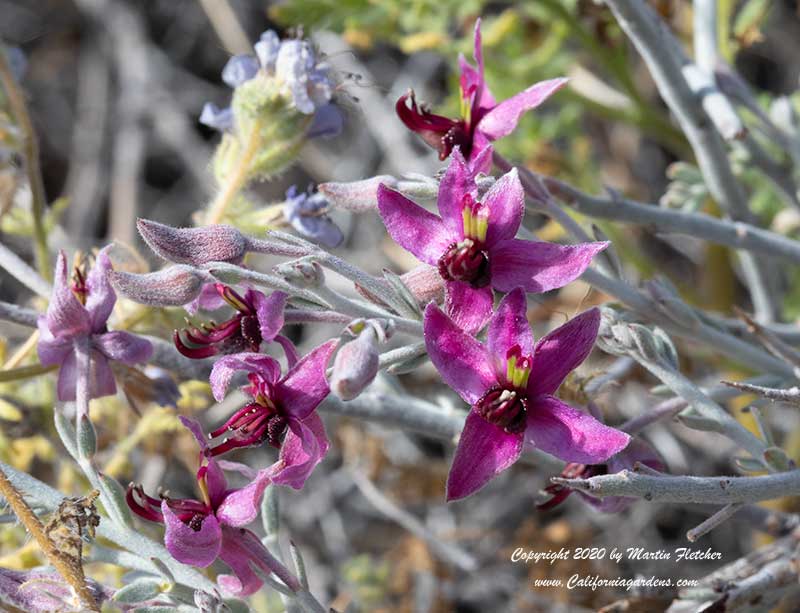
482,119
200,531
258,319
282,411
637,451
510,383
472,242
77,314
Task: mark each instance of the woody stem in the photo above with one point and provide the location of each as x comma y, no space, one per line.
54,556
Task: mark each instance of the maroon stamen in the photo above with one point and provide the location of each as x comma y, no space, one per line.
559,493
242,332
504,408
441,133
466,261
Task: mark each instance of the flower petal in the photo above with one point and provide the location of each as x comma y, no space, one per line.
503,118
506,203
460,359
244,581
562,351
193,426
484,451
101,297
269,310
240,507
216,483
123,347
303,448
412,227
473,83
67,378
227,366
469,308
456,182
569,434
509,327
101,377
52,350
195,547
480,156
538,266
305,385
65,315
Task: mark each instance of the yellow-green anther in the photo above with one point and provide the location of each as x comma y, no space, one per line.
481,227
511,368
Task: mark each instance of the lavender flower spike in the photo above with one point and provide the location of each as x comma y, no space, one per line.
195,246
307,212
76,319
482,119
200,531
472,242
281,413
510,382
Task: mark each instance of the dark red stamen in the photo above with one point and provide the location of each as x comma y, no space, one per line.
559,493
441,133
253,424
504,408
242,332
466,261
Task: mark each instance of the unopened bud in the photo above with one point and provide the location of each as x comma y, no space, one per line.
356,196
425,283
302,273
355,365
173,286
196,246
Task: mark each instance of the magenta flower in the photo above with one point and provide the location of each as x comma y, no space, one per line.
472,242
282,411
482,119
637,451
197,532
510,383
258,319
77,316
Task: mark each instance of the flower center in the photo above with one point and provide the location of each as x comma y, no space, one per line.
240,333
465,261
256,423
504,408
79,287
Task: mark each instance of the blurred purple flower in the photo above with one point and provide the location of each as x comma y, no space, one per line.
76,320
637,451
307,213
472,242
258,319
295,66
510,383
200,531
282,411
482,119
43,591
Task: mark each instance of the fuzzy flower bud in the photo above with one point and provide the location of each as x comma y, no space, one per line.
355,366
302,273
173,286
195,246
356,196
